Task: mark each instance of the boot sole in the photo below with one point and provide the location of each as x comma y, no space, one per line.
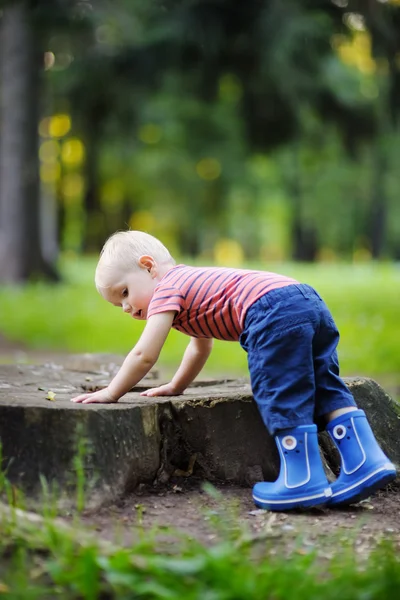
292,503
364,488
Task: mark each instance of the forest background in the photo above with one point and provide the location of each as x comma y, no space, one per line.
259,133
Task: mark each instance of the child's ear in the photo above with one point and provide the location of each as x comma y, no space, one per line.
147,262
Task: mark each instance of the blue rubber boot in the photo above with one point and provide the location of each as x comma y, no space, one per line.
302,481
364,466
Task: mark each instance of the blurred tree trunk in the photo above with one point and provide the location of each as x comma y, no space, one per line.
379,201
94,223
304,239
20,62
95,229
382,22
386,125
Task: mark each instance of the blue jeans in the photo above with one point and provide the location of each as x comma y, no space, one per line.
290,338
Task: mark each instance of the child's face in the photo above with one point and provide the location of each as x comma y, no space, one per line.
132,291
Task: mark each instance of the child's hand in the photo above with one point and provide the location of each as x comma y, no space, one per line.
163,390
102,396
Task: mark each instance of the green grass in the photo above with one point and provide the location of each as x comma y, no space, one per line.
73,317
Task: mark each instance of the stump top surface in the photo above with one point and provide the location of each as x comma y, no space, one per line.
29,385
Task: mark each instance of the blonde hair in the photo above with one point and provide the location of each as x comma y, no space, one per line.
122,252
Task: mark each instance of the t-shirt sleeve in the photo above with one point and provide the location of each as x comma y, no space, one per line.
166,299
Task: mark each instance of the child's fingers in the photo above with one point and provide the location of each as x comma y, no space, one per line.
159,391
80,398
149,392
86,398
101,396
92,400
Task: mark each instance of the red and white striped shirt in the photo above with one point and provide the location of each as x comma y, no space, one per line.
211,302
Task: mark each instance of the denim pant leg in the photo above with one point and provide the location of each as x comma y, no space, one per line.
278,335
331,392
290,339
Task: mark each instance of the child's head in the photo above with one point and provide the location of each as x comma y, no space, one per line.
122,252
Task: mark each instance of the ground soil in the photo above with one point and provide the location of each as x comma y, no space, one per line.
187,508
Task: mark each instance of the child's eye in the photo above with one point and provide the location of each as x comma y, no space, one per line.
124,292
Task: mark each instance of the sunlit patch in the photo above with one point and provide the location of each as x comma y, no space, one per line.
355,51
59,125
354,21
50,172
49,151
142,220
72,185
227,252
327,255
208,169
362,255
56,126
230,88
73,151
272,252
49,59
57,62
150,133
112,195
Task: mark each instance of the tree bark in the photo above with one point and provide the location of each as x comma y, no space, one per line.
94,231
303,235
379,200
20,251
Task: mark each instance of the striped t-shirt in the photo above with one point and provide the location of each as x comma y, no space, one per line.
211,302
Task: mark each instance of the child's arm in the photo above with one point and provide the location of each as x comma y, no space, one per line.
194,359
138,362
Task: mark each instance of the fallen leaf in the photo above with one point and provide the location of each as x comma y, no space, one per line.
50,396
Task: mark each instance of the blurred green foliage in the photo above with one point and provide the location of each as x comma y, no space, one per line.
268,124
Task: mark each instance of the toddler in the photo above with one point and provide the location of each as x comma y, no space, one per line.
290,339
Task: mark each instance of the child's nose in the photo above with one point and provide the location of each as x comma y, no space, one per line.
126,307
